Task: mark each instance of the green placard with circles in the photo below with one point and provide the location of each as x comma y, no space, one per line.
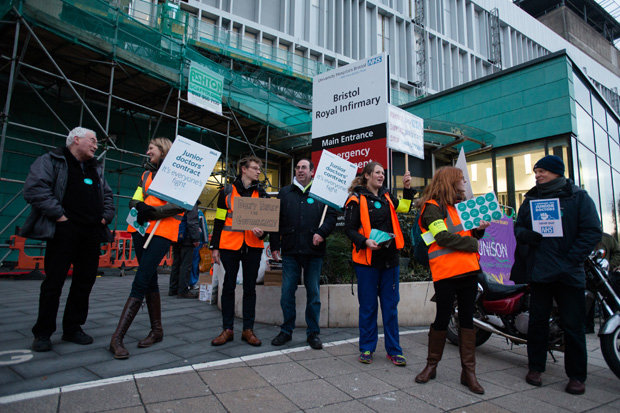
481,207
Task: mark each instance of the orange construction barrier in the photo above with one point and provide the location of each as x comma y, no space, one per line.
116,254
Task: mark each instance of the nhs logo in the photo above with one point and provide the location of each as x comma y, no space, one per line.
374,60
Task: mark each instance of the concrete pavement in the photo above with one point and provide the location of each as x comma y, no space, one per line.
238,377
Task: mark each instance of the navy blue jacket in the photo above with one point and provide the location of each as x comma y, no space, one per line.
300,216
560,259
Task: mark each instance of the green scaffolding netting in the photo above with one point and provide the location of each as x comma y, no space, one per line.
103,27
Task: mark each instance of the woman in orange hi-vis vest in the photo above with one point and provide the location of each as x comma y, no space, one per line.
145,285
371,207
453,259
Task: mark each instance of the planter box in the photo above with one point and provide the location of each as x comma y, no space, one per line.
338,307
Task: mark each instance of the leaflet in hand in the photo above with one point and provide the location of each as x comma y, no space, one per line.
132,219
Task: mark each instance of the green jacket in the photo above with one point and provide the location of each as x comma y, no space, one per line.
612,250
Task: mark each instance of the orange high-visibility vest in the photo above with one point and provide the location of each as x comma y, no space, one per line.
364,256
233,239
168,227
448,262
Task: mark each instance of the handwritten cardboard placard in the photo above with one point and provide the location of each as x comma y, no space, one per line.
263,213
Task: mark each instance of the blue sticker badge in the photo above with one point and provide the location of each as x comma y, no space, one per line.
377,205
88,181
310,201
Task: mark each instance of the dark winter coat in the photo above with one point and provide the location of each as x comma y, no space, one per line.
44,190
560,259
300,216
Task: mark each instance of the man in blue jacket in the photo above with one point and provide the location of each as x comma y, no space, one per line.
554,265
302,239
71,205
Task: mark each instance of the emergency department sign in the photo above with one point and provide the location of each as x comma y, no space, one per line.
204,88
184,172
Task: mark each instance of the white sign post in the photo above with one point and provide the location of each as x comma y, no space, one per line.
184,172
204,88
405,132
332,180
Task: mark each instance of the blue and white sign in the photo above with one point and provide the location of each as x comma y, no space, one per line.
546,217
184,173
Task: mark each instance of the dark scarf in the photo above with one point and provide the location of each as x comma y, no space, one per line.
548,189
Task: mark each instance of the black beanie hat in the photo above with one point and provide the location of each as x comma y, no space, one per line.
551,163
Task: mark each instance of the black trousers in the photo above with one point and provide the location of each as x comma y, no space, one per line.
572,308
250,257
182,258
464,289
72,244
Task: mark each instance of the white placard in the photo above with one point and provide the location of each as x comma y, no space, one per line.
332,180
461,163
351,97
405,132
184,172
204,88
546,217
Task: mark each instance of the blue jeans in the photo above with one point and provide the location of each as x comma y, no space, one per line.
291,272
373,282
145,280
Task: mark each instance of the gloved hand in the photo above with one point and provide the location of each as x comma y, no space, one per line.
530,237
145,213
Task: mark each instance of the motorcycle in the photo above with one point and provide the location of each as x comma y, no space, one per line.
504,310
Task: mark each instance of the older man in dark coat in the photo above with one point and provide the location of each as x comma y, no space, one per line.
555,268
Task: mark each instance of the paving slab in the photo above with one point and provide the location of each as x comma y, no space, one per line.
172,387
113,396
265,399
312,393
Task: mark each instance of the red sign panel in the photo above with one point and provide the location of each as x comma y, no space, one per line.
359,146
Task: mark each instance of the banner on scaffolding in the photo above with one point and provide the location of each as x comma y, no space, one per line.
184,173
204,88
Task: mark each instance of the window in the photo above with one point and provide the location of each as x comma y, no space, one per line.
608,210
588,173
584,128
582,94
602,142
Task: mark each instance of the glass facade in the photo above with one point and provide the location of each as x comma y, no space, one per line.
596,153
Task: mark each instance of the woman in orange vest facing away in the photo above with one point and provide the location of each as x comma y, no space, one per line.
145,285
231,247
453,259
371,207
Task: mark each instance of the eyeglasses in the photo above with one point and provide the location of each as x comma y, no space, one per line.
297,168
256,168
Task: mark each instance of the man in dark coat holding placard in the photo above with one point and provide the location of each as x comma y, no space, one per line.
302,240
554,265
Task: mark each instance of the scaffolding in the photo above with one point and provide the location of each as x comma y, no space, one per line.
495,55
78,62
420,44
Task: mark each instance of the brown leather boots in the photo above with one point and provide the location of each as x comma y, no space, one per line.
467,348
436,343
132,306
153,303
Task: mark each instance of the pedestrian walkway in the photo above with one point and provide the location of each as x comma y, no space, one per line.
185,373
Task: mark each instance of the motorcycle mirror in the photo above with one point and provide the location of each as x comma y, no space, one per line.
603,263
